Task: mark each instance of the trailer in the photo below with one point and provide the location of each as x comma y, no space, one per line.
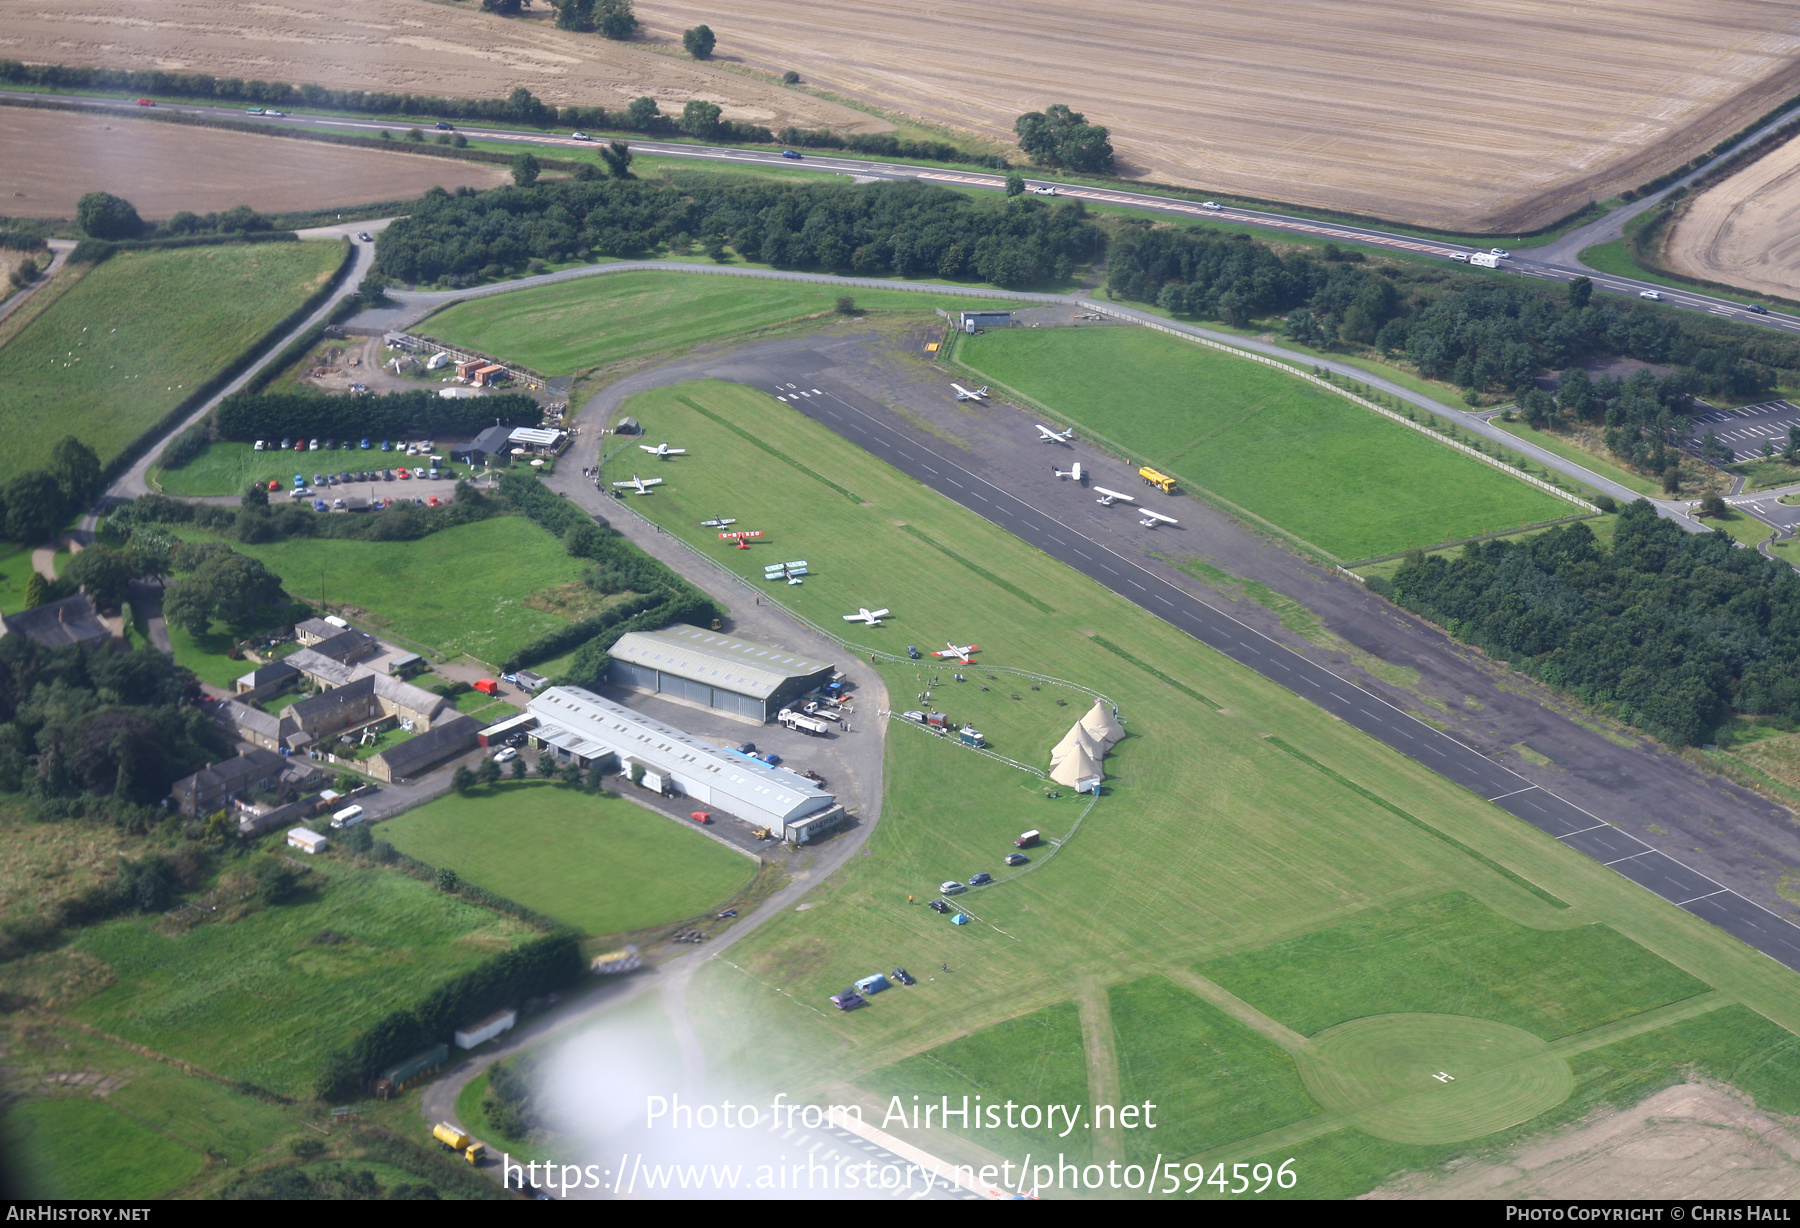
791,719
1486,260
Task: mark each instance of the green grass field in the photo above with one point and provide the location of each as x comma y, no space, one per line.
125,344
80,1147
598,863
259,999
1552,441
1208,851
1346,480
461,590
615,317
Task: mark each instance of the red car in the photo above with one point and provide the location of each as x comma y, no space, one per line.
274,485
405,474
145,102
433,501
700,816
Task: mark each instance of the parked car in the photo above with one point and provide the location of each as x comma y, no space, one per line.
981,879
701,817
1016,859
365,444
951,888
846,999
1654,296
313,446
506,756
938,906
791,153
319,480
299,480
904,977
319,506
338,504
386,446
433,502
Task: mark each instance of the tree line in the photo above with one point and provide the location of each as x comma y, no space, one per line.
1670,631
904,228
272,416
36,503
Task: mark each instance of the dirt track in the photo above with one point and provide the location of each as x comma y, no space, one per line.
1456,114
1693,1141
1746,230
53,157
405,45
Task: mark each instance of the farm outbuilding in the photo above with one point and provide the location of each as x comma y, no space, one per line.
485,1029
969,321
705,669
307,840
580,726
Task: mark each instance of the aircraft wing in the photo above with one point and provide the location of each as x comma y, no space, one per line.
1113,494
879,613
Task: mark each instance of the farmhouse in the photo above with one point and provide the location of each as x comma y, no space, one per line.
260,728
57,624
213,788
580,726
418,755
326,713
720,673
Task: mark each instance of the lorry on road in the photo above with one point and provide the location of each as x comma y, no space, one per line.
452,1138
805,724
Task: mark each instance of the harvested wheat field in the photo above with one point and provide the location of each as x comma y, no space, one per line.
56,156
404,45
1744,231
1693,1141
1491,117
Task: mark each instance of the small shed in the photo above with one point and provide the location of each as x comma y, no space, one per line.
469,366
485,1029
490,373
306,840
969,321
628,426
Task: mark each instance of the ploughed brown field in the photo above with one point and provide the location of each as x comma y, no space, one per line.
1745,230
412,46
1477,115
54,157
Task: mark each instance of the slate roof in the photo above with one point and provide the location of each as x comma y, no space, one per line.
59,624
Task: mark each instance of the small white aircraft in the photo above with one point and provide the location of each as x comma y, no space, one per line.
867,616
1152,519
1074,472
1046,435
962,653
719,522
663,451
791,572
965,394
641,485
1109,497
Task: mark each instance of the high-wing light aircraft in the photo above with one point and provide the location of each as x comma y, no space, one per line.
966,394
1152,519
1109,497
1046,435
1073,472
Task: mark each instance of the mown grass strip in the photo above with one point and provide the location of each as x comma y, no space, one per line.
1421,824
977,568
778,455
1150,669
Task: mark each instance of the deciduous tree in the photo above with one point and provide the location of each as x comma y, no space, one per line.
525,169
101,215
699,42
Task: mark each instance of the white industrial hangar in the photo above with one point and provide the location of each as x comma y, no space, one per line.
575,724
704,669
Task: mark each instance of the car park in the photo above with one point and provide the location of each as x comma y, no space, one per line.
1654,296
791,153
980,880
951,888
1016,859
506,755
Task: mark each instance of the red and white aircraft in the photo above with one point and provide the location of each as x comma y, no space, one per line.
965,654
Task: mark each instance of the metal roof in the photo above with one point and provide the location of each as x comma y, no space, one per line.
585,724
717,660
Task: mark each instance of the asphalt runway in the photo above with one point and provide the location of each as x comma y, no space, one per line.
865,422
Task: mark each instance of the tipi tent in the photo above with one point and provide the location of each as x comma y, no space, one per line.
1078,770
1102,728
1074,740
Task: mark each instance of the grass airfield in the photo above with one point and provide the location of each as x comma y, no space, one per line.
1283,965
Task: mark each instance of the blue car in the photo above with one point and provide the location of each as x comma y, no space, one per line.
365,443
319,505
386,446
790,153
977,880
299,480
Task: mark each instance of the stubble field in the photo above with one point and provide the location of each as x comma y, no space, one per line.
412,46
1745,231
1470,117
55,156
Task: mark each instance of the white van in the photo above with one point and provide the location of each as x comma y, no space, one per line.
349,816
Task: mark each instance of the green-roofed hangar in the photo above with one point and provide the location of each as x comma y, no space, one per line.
720,673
